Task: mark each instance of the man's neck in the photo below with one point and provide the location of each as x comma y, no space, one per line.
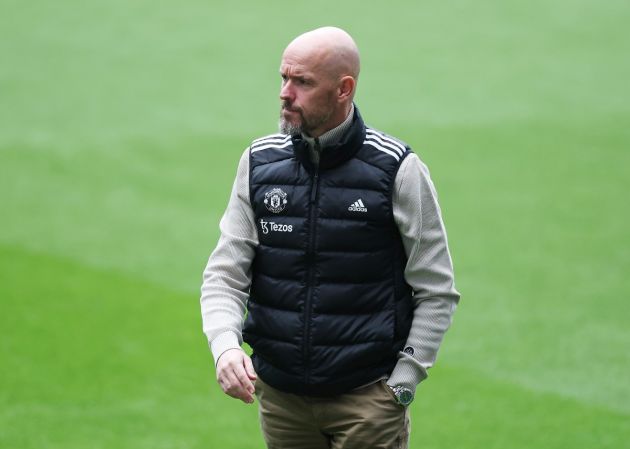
331,136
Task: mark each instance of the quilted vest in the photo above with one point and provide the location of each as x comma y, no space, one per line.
329,308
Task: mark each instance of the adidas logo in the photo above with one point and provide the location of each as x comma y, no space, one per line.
357,206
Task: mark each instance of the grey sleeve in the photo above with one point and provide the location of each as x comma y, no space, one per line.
227,276
429,270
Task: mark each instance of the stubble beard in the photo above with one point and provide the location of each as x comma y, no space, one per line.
286,127
304,126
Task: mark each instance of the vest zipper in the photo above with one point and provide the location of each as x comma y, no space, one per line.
314,189
311,271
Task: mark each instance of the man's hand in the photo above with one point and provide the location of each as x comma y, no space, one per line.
235,373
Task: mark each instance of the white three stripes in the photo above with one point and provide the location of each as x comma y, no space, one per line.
373,138
273,141
271,137
386,141
384,144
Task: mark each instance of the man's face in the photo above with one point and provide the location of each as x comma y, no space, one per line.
307,95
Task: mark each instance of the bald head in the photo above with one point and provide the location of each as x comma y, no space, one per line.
331,49
319,72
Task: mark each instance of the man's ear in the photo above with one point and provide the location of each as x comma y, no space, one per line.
346,88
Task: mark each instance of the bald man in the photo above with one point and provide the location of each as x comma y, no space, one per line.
333,247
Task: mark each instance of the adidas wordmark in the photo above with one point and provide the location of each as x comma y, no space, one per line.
357,206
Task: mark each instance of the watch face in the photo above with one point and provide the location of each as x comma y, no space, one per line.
405,396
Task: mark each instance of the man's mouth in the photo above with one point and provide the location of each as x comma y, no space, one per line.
289,109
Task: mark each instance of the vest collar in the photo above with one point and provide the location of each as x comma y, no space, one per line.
336,154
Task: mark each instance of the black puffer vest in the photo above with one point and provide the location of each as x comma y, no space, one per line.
329,308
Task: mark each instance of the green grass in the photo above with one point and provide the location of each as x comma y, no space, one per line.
121,124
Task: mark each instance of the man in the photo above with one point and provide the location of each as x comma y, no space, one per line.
333,246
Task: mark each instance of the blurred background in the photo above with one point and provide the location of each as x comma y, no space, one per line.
121,126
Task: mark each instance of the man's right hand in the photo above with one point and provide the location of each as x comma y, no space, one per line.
235,374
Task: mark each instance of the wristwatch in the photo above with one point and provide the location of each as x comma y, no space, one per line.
404,396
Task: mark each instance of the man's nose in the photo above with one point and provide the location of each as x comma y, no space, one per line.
286,92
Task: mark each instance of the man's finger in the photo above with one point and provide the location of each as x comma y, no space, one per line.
249,368
236,388
233,376
243,378
233,385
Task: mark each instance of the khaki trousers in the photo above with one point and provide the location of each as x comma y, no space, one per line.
365,418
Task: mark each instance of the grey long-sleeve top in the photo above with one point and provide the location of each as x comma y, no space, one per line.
429,270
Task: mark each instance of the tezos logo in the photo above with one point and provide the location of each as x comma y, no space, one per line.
276,200
270,226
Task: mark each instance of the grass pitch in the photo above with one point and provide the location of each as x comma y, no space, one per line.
121,125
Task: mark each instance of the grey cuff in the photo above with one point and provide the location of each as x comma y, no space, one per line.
408,372
223,342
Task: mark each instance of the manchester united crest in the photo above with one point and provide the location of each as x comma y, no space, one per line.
276,200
